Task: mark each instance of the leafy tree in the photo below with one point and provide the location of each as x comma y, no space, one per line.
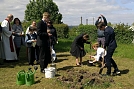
36,8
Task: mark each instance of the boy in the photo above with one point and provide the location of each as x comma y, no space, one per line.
100,53
30,40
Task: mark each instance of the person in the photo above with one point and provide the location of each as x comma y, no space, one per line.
100,53
30,40
53,32
77,47
1,48
7,39
33,24
18,35
100,33
42,42
110,46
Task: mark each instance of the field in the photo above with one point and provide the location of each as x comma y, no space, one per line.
69,76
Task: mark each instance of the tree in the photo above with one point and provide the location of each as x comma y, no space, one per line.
36,8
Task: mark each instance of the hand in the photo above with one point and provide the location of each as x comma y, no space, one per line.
49,34
101,15
34,40
13,33
81,48
21,34
57,42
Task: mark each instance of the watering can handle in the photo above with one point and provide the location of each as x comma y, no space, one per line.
19,73
27,75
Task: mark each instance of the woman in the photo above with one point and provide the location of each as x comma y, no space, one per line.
77,47
18,36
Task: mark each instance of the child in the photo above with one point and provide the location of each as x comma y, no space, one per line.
30,40
77,47
100,53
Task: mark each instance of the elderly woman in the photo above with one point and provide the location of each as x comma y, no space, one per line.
18,36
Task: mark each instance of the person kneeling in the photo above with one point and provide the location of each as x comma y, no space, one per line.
99,56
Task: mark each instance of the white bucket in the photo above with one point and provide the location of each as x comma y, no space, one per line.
49,72
54,65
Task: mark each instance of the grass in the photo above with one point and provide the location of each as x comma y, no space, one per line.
123,56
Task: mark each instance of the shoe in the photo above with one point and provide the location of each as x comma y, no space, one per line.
116,72
105,74
78,65
81,64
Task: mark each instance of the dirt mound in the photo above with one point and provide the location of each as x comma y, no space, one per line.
79,79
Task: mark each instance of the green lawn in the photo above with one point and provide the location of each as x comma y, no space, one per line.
123,57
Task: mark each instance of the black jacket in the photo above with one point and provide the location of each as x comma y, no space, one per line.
42,36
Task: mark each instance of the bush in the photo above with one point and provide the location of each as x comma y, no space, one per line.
62,30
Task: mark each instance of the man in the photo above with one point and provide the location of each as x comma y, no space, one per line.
8,44
100,33
1,48
110,45
42,42
32,25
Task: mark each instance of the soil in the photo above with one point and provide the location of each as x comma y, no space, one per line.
79,79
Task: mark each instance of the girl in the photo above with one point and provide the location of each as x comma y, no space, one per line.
77,47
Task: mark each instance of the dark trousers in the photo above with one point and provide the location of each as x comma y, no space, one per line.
17,51
44,57
31,55
37,52
101,41
109,60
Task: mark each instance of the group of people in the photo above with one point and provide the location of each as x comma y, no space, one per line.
38,41
105,46
41,38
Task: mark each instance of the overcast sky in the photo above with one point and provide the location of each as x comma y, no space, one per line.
115,11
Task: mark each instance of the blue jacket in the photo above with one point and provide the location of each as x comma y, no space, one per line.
110,42
29,38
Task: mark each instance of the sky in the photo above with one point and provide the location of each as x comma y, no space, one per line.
115,11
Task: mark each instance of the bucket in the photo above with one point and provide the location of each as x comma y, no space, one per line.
53,65
29,78
21,77
49,72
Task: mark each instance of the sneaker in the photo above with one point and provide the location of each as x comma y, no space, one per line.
116,72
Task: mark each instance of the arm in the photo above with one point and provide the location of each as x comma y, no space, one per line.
97,21
107,38
5,29
104,19
14,29
99,54
27,40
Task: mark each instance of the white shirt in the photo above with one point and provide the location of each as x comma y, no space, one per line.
100,53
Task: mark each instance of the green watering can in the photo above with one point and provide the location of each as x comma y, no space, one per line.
21,77
29,76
